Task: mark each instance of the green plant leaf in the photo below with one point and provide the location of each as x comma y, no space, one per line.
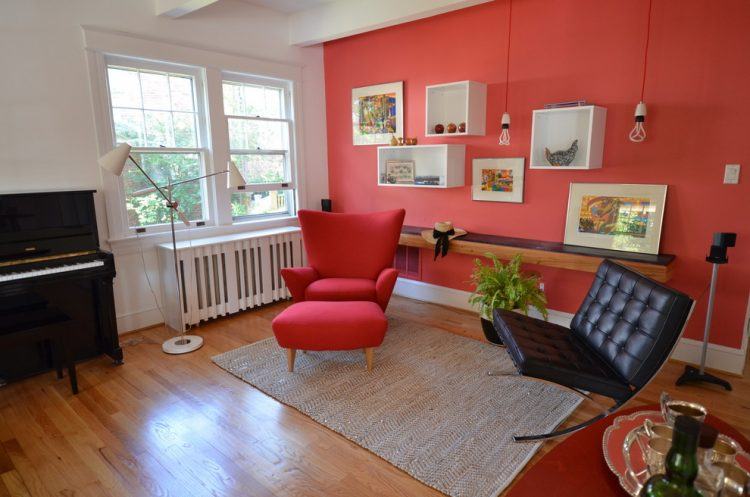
504,286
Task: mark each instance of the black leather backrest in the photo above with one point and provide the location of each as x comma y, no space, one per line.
630,321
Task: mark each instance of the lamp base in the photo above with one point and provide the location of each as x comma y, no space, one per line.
182,344
693,375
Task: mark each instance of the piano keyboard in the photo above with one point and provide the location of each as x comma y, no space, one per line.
50,270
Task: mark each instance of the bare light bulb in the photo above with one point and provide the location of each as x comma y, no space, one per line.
505,133
638,133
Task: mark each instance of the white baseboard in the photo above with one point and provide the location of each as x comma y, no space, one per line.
138,319
688,350
718,357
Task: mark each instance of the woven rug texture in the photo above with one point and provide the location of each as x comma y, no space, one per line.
428,407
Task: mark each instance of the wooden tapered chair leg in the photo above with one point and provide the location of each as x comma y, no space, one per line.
368,357
290,355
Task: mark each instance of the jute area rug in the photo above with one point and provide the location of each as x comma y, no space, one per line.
428,407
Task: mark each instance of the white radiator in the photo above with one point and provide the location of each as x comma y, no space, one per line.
226,274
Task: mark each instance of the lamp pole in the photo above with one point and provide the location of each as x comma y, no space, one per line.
114,161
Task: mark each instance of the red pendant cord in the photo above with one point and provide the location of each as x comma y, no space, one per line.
507,62
645,54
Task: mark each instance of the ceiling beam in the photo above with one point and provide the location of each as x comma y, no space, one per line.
341,18
178,8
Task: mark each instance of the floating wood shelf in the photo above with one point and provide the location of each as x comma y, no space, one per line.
551,254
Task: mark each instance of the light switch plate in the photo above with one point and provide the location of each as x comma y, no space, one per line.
731,174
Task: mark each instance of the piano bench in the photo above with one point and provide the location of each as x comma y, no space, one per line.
47,326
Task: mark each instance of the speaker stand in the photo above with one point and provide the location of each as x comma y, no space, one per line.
696,375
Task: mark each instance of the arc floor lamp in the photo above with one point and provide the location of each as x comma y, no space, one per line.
114,162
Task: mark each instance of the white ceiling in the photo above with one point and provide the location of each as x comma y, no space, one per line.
287,6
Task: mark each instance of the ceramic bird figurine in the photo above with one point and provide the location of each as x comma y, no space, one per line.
562,158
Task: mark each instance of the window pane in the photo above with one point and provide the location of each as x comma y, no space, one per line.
124,88
129,126
257,135
261,168
158,129
273,101
233,105
182,93
184,130
252,100
259,203
155,90
146,207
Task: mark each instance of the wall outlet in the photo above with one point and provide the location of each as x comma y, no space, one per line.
541,286
731,174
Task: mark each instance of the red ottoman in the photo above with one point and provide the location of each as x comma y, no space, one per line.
318,325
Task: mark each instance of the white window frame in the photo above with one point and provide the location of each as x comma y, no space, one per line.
290,158
212,66
202,136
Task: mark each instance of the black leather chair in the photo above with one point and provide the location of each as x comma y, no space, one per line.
618,340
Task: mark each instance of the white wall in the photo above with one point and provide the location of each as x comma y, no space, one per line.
47,134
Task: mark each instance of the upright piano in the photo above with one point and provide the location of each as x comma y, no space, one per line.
50,258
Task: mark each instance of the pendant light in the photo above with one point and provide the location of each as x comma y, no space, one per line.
505,120
638,133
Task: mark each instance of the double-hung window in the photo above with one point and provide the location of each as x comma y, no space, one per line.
158,109
261,130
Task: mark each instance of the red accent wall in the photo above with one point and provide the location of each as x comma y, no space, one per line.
698,96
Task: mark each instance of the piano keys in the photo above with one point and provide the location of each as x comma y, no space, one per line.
50,258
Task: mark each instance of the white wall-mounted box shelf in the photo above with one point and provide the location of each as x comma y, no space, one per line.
556,129
446,162
460,102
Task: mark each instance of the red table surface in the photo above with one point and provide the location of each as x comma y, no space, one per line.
576,467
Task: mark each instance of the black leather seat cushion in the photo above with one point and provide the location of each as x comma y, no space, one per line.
630,321
551,352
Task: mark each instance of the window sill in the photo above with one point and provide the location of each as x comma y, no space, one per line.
147,241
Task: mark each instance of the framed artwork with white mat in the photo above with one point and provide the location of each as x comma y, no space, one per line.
615,216
377,113
498,180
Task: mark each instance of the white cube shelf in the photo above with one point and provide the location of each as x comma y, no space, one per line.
556,129
460,102
447,162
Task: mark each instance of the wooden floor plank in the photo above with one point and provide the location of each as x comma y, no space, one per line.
180,426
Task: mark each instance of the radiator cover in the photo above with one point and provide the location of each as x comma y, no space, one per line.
227,274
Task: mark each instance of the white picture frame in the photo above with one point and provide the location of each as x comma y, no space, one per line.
498,179
625,217
380,102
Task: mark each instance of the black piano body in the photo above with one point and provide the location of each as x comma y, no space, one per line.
50,258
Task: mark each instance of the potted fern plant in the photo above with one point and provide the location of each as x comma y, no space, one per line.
504,286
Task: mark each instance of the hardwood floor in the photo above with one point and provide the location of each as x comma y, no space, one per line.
180,426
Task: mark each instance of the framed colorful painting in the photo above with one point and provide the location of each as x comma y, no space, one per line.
497,180
616,217
377,113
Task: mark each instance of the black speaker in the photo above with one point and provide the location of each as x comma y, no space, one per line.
721,242
325,204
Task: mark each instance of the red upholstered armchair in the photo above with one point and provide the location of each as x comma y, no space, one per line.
349,256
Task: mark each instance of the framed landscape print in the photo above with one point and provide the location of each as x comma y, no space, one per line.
377,113
497,180
616,217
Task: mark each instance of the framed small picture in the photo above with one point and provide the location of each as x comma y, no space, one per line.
498,180
377,113
399,172
615,216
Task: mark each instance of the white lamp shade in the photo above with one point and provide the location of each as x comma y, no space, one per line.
114,160
234,177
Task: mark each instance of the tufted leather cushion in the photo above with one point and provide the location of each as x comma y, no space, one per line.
630,321
550,352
